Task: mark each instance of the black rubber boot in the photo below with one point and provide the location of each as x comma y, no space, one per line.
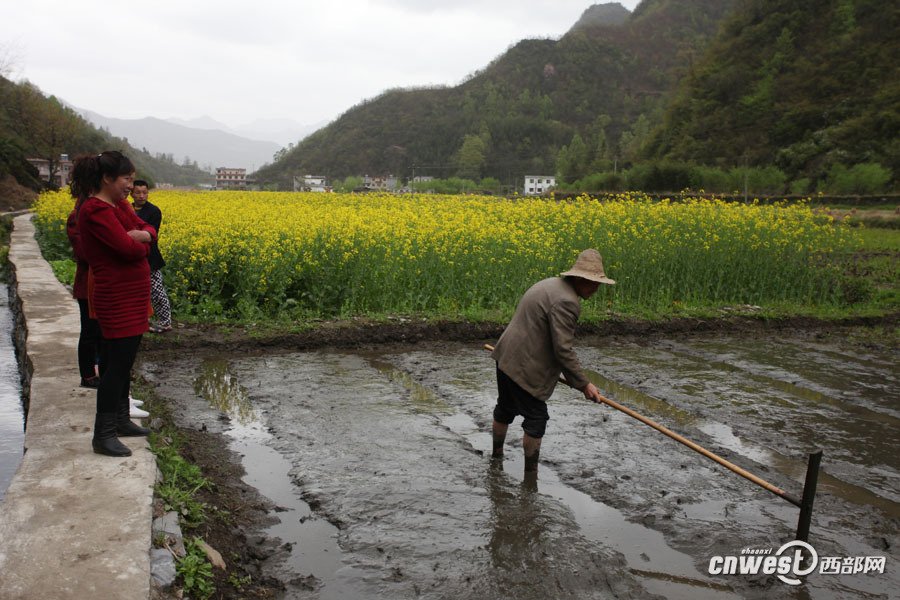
498,442
105,440
125,427
531,462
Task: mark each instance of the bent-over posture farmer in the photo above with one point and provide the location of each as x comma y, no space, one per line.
536,347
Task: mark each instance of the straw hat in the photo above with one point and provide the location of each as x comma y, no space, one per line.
589,265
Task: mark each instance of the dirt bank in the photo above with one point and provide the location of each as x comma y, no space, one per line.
15,197
356,333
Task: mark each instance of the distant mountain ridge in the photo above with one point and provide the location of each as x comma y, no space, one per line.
209,148
281,131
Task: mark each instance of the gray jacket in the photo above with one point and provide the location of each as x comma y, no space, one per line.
536,346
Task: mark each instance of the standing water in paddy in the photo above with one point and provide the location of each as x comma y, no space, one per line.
391,448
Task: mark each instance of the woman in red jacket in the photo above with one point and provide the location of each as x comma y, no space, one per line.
115,243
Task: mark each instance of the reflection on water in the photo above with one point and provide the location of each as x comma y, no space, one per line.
519,521
423,400
218,386
637,400
758,402
311,541
12,419
518,524
796,382
724,436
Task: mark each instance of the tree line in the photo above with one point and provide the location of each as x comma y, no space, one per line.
34,125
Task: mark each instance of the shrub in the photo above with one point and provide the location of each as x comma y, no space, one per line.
711,179
863,178
801,186
758,180
601,182
490,184
451,185
660,177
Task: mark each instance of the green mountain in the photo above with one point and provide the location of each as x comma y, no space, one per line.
603,14
804,85
603,84
33,125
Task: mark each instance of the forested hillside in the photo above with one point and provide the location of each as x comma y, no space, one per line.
802,85
33,125
602,85
775,95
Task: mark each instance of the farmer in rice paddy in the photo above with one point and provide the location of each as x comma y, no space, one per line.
536,347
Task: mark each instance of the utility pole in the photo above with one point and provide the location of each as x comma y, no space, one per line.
746,178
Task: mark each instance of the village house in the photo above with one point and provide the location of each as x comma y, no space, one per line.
417,184
536,185
62,170
311,183
228,178
380,182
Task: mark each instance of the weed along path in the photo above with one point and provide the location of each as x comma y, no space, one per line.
377,460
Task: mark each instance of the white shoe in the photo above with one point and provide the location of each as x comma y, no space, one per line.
137,413
135,401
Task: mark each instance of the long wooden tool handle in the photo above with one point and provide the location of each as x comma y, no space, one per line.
692,445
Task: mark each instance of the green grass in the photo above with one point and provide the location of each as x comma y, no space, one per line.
875,221
876,239
64,270
873,271
196,571
181,480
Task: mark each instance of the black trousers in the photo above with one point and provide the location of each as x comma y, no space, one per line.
116,360
513,401
88,341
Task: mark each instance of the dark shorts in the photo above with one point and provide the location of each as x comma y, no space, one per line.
514,401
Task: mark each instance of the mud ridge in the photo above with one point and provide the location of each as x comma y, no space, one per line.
359,333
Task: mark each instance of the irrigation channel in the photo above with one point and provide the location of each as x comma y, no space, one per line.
379,462
12,419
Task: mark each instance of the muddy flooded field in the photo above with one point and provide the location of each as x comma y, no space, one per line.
378,461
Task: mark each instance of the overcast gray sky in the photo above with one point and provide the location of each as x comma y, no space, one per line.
239,61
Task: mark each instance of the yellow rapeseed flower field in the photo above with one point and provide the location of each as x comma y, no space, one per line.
242,253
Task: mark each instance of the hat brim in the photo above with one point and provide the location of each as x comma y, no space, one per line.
589,276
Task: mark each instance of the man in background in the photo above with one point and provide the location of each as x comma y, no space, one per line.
151,215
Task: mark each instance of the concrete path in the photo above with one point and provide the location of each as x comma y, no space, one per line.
74,524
